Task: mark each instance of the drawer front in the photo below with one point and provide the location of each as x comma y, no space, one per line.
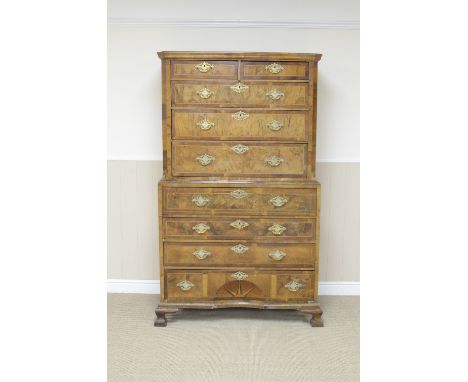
259,94
204,69
275,70
242,201
232,228
239,254
241,124
239,284
252,159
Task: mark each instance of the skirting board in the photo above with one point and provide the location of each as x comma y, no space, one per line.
326,288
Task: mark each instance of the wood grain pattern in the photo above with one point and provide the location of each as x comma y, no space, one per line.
290,70
249,56
295,94
226,162
224,254
222,285
297,229
313,114
294,125
242,201
220,70
272,98
166,118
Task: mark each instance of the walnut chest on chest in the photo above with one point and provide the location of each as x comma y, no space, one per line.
239,205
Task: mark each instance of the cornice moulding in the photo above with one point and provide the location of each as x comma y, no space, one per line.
296,24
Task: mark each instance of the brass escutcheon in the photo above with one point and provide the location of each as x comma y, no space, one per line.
185,285
274,68
204,67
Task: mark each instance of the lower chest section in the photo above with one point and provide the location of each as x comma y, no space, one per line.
238,242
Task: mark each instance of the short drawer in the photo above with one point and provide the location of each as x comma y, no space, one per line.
274,70
232,228
235,253
252,159
239,284
242,201
204,69
241,124
238,94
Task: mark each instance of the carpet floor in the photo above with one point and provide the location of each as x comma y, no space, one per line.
232,345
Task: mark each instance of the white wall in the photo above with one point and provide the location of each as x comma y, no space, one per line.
134,88
317,11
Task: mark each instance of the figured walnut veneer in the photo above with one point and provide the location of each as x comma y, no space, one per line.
239,205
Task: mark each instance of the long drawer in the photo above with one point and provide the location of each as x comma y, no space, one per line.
228,124
246,93
246,159
242,201
243,253
240,284
232,228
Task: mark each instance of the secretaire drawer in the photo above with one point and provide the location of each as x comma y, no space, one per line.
226,124
253,159
232,228
237,253
204,69
242,201
243,283
245,93
274,70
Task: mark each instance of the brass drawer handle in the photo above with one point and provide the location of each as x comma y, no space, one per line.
205,159
204,67
239,194
274,161
277,255
277,229
278,201
201,254
201,228
239,276
239,249
185,285
239,87
205,93
240,116
240,148
295,285
239,224
274,68
275,125
204,124
200,200
275,94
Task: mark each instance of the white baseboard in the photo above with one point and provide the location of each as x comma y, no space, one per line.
339,288
326,288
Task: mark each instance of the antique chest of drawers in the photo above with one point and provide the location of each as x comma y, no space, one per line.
239,206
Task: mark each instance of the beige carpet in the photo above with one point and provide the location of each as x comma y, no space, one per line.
231,345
